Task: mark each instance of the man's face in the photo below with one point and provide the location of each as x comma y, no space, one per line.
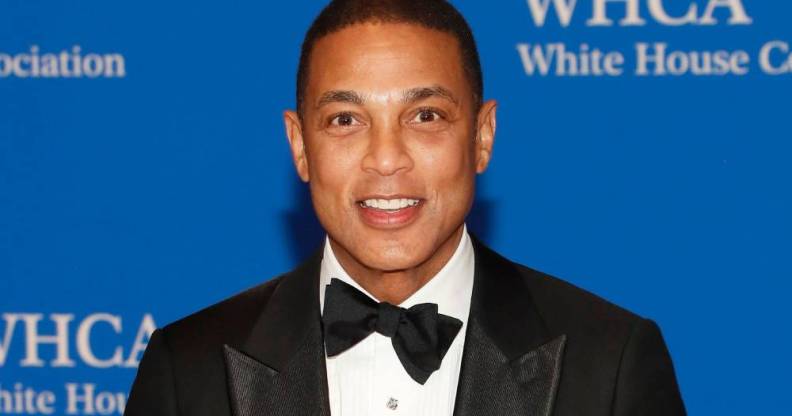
390,141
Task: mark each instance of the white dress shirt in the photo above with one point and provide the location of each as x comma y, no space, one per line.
369,380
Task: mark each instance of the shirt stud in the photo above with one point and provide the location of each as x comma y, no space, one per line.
392,404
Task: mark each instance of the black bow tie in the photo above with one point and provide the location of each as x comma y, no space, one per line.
420,336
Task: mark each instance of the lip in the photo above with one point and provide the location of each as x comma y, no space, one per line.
391,196
389,220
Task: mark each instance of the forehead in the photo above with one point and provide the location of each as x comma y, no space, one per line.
379,58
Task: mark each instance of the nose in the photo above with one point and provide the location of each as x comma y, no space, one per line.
387,152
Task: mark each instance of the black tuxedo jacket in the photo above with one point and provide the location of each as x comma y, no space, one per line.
535,346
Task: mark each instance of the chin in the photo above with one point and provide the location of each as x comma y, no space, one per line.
391,257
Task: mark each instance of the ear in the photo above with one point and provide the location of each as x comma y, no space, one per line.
485,135
294,132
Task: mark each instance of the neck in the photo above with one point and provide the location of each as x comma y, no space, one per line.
395,286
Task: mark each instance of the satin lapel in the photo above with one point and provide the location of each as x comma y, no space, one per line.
280,368
511,363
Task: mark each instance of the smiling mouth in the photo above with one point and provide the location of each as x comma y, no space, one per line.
389,205
389,213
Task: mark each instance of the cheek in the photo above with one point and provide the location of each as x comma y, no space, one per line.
448,172
331,164
332,167
449,164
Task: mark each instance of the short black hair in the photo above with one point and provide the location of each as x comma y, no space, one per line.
432,14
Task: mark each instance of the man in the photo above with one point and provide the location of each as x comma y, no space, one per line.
389,132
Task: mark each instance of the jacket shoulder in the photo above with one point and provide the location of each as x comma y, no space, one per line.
599,335
183,365
226,322
615,360
563,304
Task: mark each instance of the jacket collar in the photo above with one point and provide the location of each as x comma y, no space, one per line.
291,315
511,362
280,368
503,306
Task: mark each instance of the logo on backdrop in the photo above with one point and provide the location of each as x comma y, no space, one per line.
21,346
656,59
72,63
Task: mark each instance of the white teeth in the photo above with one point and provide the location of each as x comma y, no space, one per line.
390,204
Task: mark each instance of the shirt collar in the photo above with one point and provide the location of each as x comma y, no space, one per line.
451,288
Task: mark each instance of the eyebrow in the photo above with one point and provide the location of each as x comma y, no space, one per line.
411,95
340,96
417,94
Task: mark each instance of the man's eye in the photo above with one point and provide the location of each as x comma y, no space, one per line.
426,116
344,119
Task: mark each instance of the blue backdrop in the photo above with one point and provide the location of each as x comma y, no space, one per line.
144,174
